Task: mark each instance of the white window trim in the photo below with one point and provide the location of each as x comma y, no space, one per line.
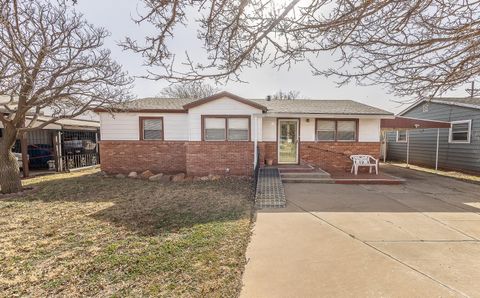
406,136
468,135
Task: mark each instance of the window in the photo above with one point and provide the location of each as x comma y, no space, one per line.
221,128
215,129
460,131
238,129
151,128
336,130
346,130
402,136
325,130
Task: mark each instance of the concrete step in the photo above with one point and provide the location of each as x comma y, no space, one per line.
305,175
308,180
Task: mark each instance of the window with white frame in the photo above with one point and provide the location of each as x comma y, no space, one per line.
221,128
336,130
402,136
460,131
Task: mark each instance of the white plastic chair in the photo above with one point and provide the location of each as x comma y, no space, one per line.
361,160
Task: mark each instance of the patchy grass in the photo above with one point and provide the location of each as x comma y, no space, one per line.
84,235
451,174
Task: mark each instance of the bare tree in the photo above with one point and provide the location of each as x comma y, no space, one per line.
286,95
50,57
414,47
194,90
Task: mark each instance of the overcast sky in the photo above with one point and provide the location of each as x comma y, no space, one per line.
115,15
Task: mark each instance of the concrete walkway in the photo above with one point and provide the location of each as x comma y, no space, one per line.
414,240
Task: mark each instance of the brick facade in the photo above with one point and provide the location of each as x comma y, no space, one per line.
127,156
222,158
335,155
326,155
268,150
170,157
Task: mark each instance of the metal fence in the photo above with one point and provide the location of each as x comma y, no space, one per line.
75,161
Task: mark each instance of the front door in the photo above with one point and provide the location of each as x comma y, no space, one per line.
288,141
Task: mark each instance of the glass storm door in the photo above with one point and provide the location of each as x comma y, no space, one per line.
288,141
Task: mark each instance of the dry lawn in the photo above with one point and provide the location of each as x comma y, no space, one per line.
81,234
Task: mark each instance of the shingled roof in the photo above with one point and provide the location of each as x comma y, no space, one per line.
320,106
297,106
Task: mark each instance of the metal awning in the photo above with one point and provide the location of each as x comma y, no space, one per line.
405,123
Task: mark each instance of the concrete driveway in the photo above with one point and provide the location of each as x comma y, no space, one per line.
420,239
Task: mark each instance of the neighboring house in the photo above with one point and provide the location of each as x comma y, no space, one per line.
224,133
459,146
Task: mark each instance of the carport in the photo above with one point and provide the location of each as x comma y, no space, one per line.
407,124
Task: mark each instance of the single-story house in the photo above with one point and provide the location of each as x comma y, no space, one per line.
227,134
458,145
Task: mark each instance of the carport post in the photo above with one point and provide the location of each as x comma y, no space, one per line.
436,153
408,147
384,146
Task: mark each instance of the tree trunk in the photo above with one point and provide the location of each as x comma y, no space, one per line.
9,172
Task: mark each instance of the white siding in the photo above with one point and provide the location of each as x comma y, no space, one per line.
222,106
369,130
307,130
125,126
269,130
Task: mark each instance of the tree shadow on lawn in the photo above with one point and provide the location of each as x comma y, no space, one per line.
150,208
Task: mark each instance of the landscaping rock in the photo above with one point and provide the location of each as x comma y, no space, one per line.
214,177
147,174
204,178
120,176
178,177
103,173
133,175
157,177
166,178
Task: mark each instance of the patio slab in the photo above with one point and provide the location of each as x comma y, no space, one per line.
293,254
368,241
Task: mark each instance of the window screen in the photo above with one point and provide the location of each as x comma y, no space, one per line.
238,129
153,129
346,130
325,130
214,129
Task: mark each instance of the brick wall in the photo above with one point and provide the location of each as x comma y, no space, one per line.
127,156
203,158
170,157
335,155
268,150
